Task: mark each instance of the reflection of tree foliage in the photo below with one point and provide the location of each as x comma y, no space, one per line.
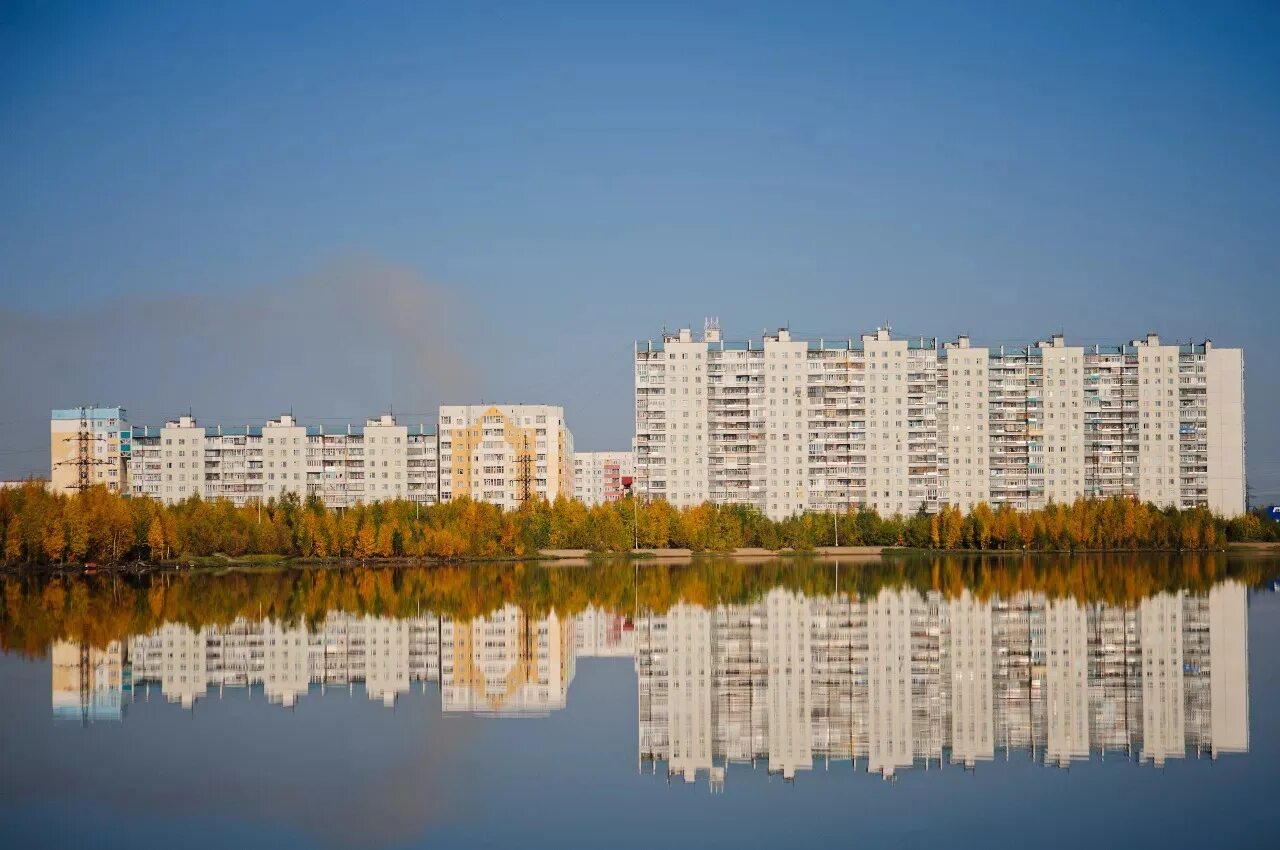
101,608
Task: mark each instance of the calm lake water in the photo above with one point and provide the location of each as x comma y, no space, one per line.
1101,701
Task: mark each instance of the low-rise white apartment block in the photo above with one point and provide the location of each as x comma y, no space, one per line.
505,453
342,465
598,477
502,454
899,425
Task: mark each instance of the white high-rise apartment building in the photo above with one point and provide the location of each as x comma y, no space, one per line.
788,425
598,476
898,425
505,453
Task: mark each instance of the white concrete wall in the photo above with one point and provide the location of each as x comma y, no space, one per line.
284,456
386,447
1225,412
965,440
688,444
1158,447
181,460
888,491
785,425
1063,411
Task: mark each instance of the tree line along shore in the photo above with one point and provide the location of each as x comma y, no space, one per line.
39,527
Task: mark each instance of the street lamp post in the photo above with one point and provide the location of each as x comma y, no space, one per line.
627,481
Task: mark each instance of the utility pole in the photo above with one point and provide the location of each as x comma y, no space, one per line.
84,680
84,461
627,484
524,460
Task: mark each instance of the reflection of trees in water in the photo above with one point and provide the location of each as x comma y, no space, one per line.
101,608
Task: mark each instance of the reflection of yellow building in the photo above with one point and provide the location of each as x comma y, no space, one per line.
88,683
502,663
505,454
506,663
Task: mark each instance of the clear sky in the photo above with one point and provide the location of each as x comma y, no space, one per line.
487,201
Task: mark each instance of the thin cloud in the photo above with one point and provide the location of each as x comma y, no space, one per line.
348,341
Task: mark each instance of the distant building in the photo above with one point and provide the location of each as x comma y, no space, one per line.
597,476
21,482
341,465
903,424
505,454
88,446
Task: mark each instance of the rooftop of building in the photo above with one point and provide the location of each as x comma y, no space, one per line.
88,412
413,430
715,342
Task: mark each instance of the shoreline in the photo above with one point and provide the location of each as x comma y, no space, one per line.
586,557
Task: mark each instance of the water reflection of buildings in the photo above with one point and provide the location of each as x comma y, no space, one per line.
903,679
505,663
89,684
892,681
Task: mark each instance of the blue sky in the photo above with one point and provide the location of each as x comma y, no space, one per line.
519,191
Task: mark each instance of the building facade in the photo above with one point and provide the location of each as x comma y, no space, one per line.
598,476
502,454
900,425
505,454
342,465
88,446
